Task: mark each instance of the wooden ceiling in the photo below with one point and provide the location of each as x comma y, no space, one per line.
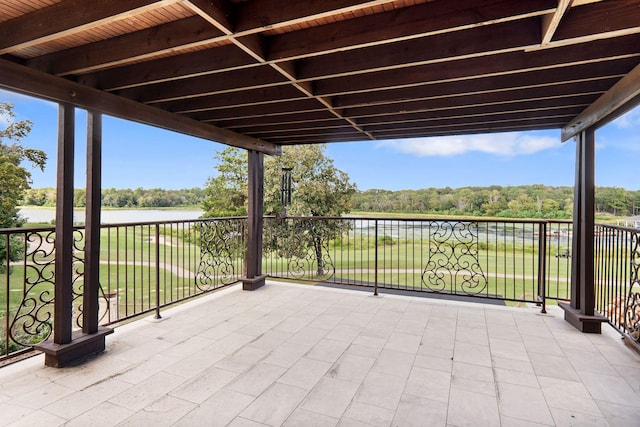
265,73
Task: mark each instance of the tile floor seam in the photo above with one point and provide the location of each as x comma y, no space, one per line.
540,387
451,373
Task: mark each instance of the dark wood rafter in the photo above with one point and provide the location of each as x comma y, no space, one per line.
399,25
246,64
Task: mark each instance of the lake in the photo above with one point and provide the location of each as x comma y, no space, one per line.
114,216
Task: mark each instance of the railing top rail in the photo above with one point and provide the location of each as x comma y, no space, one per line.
22,230
36,229
425,219
619,227
174,221
314,218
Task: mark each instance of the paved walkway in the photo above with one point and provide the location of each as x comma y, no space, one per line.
298,355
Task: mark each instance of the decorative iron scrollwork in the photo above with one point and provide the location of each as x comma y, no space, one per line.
221,245
632,305
33,320
452,265
77,283
304,245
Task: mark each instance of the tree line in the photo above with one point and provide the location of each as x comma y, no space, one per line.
122,198
525,201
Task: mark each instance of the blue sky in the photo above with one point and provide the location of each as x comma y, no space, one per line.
141,156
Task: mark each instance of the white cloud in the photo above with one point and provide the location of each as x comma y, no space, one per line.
500,144
629,120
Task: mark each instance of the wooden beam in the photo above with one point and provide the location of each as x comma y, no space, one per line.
303,105
507,127
193,64
551,21
250,78
570,104
473,120
67,18
611,18
127,48
269,14
476,42
260,96
216,12
27,81
576,77
284,118
512,99
435,81
494,65
407,23
622,96
565,106
364,31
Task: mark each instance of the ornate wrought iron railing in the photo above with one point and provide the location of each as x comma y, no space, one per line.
471,258
147,266
143,268
617,278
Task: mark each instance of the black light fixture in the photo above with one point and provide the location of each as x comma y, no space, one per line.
285,187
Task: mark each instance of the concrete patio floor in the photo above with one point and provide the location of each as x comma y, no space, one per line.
298,355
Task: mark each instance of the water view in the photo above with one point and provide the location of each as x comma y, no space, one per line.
115,216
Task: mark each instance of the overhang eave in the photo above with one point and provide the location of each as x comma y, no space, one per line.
28,81
620,98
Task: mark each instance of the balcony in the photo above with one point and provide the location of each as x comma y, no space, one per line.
464,329
290,354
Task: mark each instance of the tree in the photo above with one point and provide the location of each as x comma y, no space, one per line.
319,189
15,179
226,194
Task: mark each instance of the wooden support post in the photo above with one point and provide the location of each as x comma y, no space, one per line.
581,311
587,220
63,310
92,224
254,277
68,346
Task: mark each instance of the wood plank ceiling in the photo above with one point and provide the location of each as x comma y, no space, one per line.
306,71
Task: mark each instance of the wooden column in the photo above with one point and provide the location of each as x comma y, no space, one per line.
254,278
63,313
67,345
581,310
92,224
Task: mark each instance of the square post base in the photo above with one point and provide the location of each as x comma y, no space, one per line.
251,284
582,322
81,346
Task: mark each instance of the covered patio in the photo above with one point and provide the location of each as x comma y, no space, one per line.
296,355
261,75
